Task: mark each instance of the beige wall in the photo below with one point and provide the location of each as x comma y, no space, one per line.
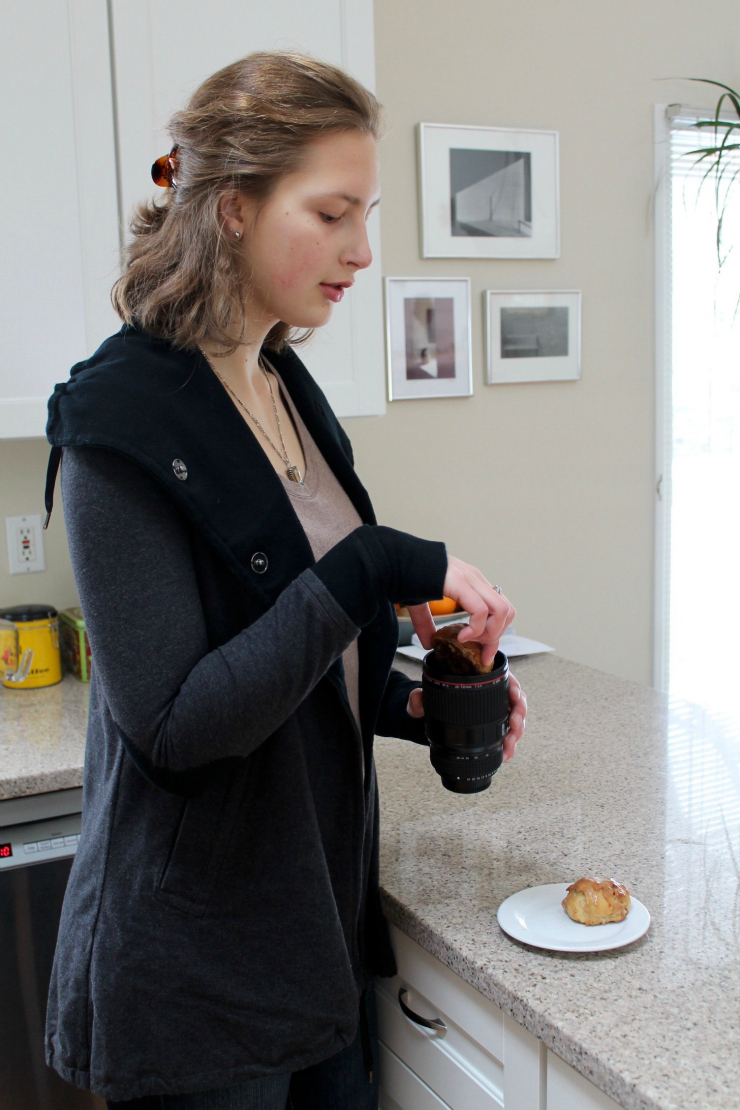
23,470
547,487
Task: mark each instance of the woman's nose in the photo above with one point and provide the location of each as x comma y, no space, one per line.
358,252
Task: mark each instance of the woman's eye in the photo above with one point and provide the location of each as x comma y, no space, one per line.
329,219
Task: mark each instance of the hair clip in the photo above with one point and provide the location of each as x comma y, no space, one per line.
164,170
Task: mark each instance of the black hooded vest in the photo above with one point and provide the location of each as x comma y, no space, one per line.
205,936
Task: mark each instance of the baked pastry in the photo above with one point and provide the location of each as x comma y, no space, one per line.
456,658
597,901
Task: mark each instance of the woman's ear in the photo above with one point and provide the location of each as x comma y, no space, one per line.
232,210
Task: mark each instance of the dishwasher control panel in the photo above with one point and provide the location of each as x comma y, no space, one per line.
39,841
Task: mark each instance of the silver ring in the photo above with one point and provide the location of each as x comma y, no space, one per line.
497,589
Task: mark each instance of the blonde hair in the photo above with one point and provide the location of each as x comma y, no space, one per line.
243,129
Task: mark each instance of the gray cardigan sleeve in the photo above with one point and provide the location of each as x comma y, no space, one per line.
177,702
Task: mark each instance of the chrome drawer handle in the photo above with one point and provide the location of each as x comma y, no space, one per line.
435,1024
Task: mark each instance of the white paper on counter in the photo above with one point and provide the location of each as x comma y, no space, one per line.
511,645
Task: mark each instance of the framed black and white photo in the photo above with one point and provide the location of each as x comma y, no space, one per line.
533,337
428,337
488,192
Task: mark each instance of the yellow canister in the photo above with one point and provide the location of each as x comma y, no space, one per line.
38,631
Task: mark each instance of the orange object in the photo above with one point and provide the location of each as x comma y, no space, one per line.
442,607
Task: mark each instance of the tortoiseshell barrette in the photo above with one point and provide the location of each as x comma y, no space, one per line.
164,170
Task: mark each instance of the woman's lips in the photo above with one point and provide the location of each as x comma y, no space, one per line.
332,292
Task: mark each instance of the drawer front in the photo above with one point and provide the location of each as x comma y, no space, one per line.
400,1089
454,1067
484,1061
461,1003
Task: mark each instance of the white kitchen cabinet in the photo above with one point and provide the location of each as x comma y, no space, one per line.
567,1090
86,102
164,49
59,211
477,1058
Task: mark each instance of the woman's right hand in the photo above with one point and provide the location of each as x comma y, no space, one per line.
490,612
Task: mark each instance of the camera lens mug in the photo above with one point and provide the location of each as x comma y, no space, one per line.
466,718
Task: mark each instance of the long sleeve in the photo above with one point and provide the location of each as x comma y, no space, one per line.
178,703
393,720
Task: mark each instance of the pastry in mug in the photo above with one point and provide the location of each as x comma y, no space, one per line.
456,658
597,902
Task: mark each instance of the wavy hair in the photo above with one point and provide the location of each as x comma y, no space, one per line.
243,129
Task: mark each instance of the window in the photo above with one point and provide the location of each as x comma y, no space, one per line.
698,348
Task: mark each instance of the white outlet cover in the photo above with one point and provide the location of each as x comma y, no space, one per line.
25,544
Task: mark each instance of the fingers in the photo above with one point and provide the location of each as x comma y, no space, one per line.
415,706
509,748
517,717
488,653
493,615
423,623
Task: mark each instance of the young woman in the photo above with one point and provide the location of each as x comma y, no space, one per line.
222,922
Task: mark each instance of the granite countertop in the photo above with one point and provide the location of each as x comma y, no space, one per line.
614,778
611,777
42,738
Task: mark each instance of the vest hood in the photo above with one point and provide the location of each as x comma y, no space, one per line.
165,409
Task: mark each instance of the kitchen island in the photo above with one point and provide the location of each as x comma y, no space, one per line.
612,778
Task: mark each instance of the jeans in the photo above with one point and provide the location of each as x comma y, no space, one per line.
346,1081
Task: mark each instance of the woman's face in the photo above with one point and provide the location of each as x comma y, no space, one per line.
306,242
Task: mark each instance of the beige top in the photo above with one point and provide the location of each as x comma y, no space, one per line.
327,515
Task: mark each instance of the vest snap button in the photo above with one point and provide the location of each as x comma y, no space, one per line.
181,471
259,562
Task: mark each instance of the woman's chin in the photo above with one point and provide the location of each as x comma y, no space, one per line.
309,317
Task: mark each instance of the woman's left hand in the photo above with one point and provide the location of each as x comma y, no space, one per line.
517,714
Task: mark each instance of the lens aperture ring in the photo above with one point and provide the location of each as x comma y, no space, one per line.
466,767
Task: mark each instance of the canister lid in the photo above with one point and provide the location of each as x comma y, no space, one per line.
20,613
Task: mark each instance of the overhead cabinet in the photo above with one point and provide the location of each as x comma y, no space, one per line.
59,211
91,86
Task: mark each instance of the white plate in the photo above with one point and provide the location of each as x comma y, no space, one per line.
511,645
535,916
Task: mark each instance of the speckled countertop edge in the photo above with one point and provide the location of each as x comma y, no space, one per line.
24,786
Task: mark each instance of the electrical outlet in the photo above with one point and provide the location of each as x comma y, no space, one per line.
25,544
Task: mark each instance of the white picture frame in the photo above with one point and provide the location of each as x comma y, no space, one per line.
532,336
428,337
488,192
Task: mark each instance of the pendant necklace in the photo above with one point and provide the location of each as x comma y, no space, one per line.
292,471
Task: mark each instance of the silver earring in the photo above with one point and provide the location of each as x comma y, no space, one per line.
237,234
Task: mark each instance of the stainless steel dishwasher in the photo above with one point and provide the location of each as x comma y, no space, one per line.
38,840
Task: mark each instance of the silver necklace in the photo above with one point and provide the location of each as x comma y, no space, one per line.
293,472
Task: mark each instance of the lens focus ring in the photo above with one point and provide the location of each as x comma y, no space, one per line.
465,705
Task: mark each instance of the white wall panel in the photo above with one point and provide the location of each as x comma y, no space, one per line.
164,49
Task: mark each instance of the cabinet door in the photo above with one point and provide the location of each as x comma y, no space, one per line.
482,1060
164,49
59,216
567,1090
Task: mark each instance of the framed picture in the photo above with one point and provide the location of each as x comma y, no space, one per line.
428,337
488,192
533,337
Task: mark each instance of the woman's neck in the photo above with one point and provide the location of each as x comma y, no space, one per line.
241,368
